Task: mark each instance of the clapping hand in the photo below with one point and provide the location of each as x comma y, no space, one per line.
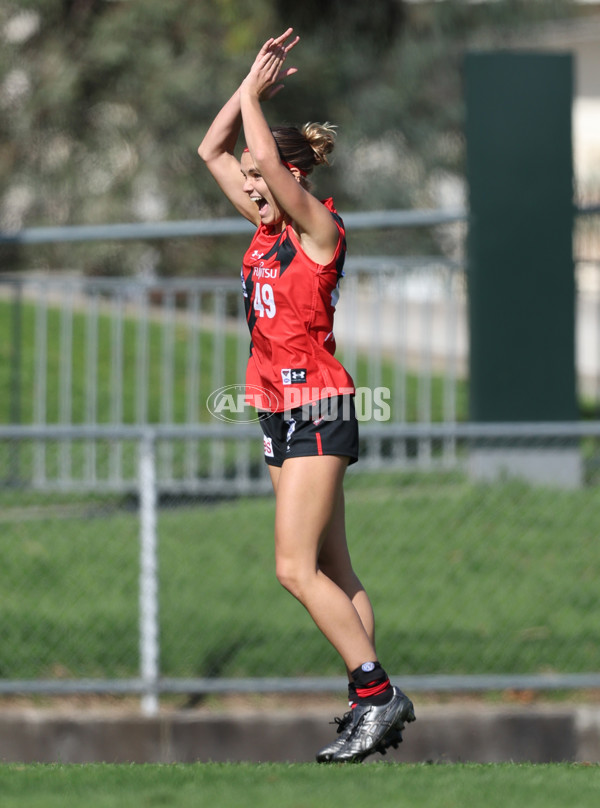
266,74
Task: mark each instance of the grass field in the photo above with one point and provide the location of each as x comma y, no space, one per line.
465,578
300,786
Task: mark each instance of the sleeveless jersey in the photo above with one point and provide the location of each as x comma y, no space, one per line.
290,303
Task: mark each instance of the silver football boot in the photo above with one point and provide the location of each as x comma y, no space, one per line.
345,725
368,729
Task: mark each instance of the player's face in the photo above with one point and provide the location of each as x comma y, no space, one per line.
269,211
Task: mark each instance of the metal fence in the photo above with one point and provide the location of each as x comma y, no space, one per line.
124,352
136,525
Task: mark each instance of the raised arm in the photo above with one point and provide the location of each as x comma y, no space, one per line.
217,147
217,151
313,222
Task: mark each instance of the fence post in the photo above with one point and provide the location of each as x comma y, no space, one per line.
149,642
16,362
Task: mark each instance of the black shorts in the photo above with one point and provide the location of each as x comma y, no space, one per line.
327,427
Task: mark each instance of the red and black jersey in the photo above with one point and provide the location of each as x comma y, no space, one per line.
290,303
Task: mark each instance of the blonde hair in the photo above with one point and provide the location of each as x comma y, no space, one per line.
306,147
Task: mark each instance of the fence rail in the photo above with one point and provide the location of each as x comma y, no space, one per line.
218,227
231,225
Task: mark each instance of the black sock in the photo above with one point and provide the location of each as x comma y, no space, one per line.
372,684
352,696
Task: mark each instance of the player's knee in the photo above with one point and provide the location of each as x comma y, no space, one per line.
289,578
286,577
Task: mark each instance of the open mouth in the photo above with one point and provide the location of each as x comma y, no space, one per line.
261,203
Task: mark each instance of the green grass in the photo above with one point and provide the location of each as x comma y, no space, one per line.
299,786
465,578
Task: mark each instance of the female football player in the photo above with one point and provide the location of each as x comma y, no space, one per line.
290,278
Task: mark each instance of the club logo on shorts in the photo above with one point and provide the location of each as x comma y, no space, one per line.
268,446
290,432
293,376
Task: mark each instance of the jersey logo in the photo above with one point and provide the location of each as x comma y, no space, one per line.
261,271
293,376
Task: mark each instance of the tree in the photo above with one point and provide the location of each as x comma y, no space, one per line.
104,102
376,24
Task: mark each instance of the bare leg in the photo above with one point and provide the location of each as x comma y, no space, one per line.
334,560
309,535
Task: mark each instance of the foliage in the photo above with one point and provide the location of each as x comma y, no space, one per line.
105,101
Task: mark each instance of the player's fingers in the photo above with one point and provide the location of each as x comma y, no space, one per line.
265,48
278,48
272,64
291,44
283,74
282,37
